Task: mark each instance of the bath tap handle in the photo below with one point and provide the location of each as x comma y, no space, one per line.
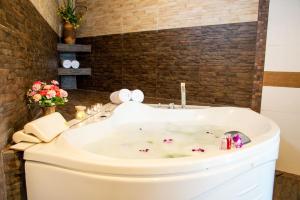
171,106
183,95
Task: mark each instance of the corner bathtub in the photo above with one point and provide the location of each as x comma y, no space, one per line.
65,170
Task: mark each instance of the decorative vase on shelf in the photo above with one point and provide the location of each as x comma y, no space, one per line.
71,15
69,33
48,110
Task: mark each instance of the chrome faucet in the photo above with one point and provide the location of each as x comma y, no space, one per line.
183,95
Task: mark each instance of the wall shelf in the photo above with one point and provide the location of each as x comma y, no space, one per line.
68,78
74,72
73,48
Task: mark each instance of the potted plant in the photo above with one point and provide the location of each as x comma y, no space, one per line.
71,16
48,96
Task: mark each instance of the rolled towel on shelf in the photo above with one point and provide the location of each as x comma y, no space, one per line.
66,63
75,64
137,96
121,96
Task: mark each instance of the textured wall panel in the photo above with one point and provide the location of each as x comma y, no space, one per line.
216,62
261,38
123,16
27,53
48,9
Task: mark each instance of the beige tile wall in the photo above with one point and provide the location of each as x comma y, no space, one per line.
122,16
48,9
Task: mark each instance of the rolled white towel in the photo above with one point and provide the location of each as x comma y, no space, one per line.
121,96
137,96
66,63
75,64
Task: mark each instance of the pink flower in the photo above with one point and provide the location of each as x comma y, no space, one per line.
54,82
37,82
50,94
37,97
57,93
36,86
30,93
237,141
54,87
47,87
63,93
43,92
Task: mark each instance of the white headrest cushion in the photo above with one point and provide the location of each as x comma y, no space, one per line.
48,127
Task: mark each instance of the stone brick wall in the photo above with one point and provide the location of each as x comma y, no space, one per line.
122,16
216,63
13,168
27,53
216,47
261,40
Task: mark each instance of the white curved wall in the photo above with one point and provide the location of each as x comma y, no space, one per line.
282,104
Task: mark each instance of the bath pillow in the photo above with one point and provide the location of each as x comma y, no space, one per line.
48,127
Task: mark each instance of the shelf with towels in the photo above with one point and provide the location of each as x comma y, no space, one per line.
67,75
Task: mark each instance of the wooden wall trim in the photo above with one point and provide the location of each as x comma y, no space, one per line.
282,79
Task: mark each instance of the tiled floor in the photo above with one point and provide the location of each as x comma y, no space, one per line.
287,186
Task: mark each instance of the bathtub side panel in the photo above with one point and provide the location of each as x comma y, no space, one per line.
241,183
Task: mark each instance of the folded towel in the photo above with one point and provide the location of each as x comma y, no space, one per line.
75,64
137,96
66,63
121,96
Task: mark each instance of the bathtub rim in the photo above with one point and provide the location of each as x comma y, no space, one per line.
254,156
62,154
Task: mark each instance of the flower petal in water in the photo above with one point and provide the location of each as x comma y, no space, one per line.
144,150
237,141
198,150
168,141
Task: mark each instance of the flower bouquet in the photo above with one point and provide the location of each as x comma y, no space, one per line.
48,96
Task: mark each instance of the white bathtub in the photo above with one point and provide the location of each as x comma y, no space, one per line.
64,170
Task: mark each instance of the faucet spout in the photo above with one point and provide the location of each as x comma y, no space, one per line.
183,95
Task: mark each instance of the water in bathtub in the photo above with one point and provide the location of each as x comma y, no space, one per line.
158,140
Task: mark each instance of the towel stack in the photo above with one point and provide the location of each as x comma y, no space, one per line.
68,64
125,95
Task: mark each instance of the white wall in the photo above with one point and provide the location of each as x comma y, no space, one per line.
280,103
283,38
